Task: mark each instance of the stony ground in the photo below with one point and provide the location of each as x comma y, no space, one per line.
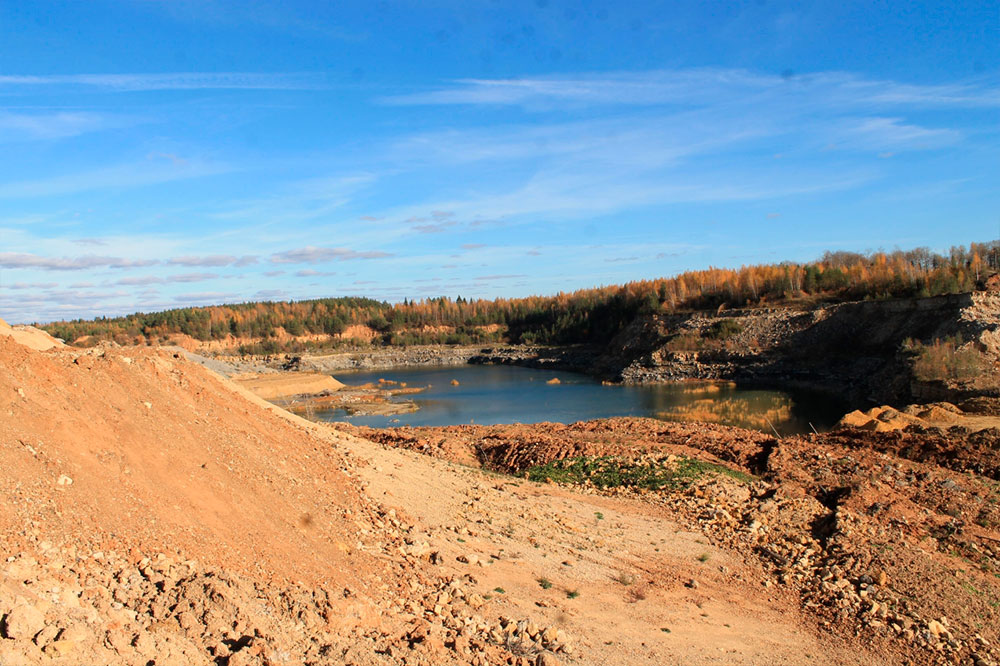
158,514
888,537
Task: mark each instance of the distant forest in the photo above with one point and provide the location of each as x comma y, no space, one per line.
591,316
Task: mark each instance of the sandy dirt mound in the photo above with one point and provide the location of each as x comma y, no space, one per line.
155,514
29,336
148,445
272,386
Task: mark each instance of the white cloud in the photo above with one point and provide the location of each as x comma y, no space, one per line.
156,279
308,272
214,260
22,260
30,285
314,255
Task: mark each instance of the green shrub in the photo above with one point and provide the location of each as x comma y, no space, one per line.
723,329
945,360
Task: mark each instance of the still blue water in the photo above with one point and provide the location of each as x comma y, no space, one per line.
488,394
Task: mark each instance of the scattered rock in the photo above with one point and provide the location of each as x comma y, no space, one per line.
23,622
546,659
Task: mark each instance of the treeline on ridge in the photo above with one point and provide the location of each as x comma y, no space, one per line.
589,316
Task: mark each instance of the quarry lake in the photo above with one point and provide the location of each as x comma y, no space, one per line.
488,394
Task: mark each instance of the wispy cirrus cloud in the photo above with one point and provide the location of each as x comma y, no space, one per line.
23,126
697,87
316,255
672,137
880,133
305,201
172,81
120,176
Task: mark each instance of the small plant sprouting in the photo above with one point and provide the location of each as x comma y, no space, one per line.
623,578
598,515
572,594
545,583
704,557
499,590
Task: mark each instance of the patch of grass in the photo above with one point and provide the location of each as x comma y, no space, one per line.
545,583
499,590
572,594
613,472
598,515
704,557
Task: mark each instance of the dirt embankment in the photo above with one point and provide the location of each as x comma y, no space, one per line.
893,537
156,514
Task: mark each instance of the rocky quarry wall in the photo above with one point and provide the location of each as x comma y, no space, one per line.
854,349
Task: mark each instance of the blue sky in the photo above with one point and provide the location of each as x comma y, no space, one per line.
161,154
